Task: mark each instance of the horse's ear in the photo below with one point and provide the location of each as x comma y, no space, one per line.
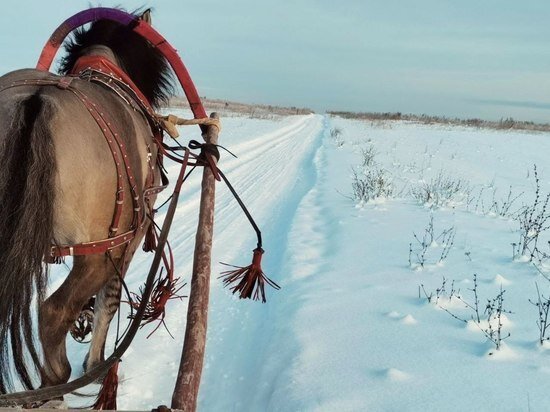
146,16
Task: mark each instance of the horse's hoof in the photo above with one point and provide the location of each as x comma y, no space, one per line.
87,368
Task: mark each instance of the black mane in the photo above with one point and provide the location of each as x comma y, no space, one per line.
144,63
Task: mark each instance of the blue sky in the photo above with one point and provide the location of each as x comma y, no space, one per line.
483,58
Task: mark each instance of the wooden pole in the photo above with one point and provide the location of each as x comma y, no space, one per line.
192,357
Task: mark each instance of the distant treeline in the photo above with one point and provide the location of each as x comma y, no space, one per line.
252,110
502,124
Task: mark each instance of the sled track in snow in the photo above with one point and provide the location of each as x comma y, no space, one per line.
272,174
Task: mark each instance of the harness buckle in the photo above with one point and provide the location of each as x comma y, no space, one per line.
65,82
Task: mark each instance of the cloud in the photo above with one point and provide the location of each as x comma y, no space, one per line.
512,103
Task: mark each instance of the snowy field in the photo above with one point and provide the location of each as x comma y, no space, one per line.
369,316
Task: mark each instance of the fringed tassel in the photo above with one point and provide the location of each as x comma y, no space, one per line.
106,399
164,289
84,325
150,242
251,279
56,260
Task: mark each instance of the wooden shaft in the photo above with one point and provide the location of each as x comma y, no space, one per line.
192,357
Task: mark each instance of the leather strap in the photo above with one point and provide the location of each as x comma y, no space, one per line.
92,248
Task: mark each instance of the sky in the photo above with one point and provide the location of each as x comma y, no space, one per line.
474,58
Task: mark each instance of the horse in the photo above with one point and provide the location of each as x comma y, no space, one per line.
64,182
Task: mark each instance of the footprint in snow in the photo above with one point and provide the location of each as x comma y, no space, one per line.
501,280
395,375
408,320
505,353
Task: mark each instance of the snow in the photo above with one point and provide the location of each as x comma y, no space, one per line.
396,375
501,280
351,329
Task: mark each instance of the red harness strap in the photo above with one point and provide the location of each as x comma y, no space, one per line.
92,248
121,160
103,65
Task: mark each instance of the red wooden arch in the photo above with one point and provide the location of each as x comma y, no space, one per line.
139,26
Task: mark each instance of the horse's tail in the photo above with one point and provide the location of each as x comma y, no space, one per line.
27,173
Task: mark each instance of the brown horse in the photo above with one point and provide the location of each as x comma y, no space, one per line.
58,186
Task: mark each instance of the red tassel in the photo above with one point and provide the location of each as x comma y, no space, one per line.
164,290
150,242
251,279
106,399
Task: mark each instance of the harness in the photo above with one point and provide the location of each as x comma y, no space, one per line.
99,70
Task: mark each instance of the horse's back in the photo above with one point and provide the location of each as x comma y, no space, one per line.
11,96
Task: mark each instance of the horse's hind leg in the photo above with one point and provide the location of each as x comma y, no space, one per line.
60,310
106,304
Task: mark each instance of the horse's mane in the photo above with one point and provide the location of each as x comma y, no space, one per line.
144,63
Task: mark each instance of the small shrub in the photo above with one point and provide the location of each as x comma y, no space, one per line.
503,207
489,321
533,220
494,311
369,181
336,134
440,292
418,255
440,191
370,184
543,307
367,156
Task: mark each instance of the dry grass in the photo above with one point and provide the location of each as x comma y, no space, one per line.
256,111
502,124
228,108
